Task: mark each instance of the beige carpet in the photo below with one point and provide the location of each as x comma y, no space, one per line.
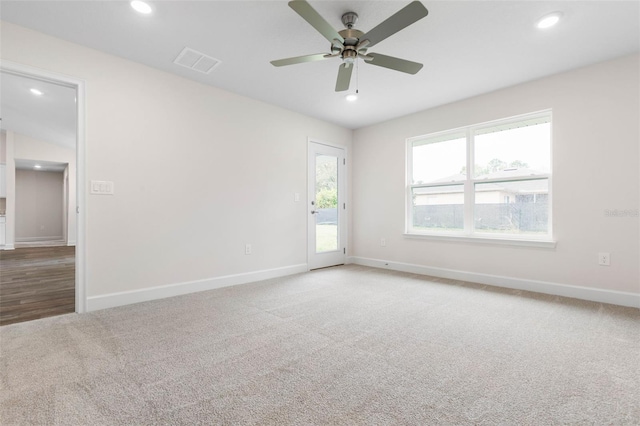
347,345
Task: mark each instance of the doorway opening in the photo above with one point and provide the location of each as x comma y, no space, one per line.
42,151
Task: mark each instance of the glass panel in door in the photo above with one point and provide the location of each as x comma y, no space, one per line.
327,209
326,203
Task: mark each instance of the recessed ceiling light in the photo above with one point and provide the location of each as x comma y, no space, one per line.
36,92
141,7
351,97
549,20
37,166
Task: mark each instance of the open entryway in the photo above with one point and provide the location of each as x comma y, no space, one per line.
41,249
327,206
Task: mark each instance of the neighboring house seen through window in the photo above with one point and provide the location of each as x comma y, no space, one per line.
490,180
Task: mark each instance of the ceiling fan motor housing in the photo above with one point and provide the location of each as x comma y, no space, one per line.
351,39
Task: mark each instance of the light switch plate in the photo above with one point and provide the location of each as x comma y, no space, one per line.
101,187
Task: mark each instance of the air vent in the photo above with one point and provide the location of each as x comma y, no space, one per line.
196,61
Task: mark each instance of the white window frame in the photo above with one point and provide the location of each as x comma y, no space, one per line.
468,234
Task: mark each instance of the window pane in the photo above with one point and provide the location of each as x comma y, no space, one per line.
439,208
518,207
326,203
510,150
436,160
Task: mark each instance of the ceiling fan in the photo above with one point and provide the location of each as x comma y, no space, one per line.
351,44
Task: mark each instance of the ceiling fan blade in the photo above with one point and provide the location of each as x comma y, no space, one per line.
310,15
394,63
411,13
299,60
344,77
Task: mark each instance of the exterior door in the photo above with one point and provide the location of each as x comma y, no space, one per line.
326,208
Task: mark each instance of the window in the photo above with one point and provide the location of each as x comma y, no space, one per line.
491,180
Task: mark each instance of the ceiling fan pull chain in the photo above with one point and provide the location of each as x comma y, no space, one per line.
357,76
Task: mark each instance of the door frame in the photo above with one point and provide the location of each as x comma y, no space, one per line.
79,85
343,214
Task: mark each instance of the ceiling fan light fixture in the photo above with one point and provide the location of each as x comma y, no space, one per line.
349,56
141,7
549,20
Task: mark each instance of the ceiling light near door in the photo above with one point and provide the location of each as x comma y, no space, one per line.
351,97
141,7
548,21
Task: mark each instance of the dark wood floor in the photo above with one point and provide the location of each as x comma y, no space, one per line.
36,283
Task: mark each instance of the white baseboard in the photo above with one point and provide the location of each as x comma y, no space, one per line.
9,247
71,243
38,239
577,292
113,300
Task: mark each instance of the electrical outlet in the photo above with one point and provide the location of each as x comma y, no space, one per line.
604,259
383,242
296,197
247,249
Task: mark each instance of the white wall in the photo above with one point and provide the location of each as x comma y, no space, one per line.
39,205
3,147
198,171
595,167
28,148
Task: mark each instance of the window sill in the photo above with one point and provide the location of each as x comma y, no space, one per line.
518,242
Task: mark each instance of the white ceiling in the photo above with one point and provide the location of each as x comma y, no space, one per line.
467,47
50,117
